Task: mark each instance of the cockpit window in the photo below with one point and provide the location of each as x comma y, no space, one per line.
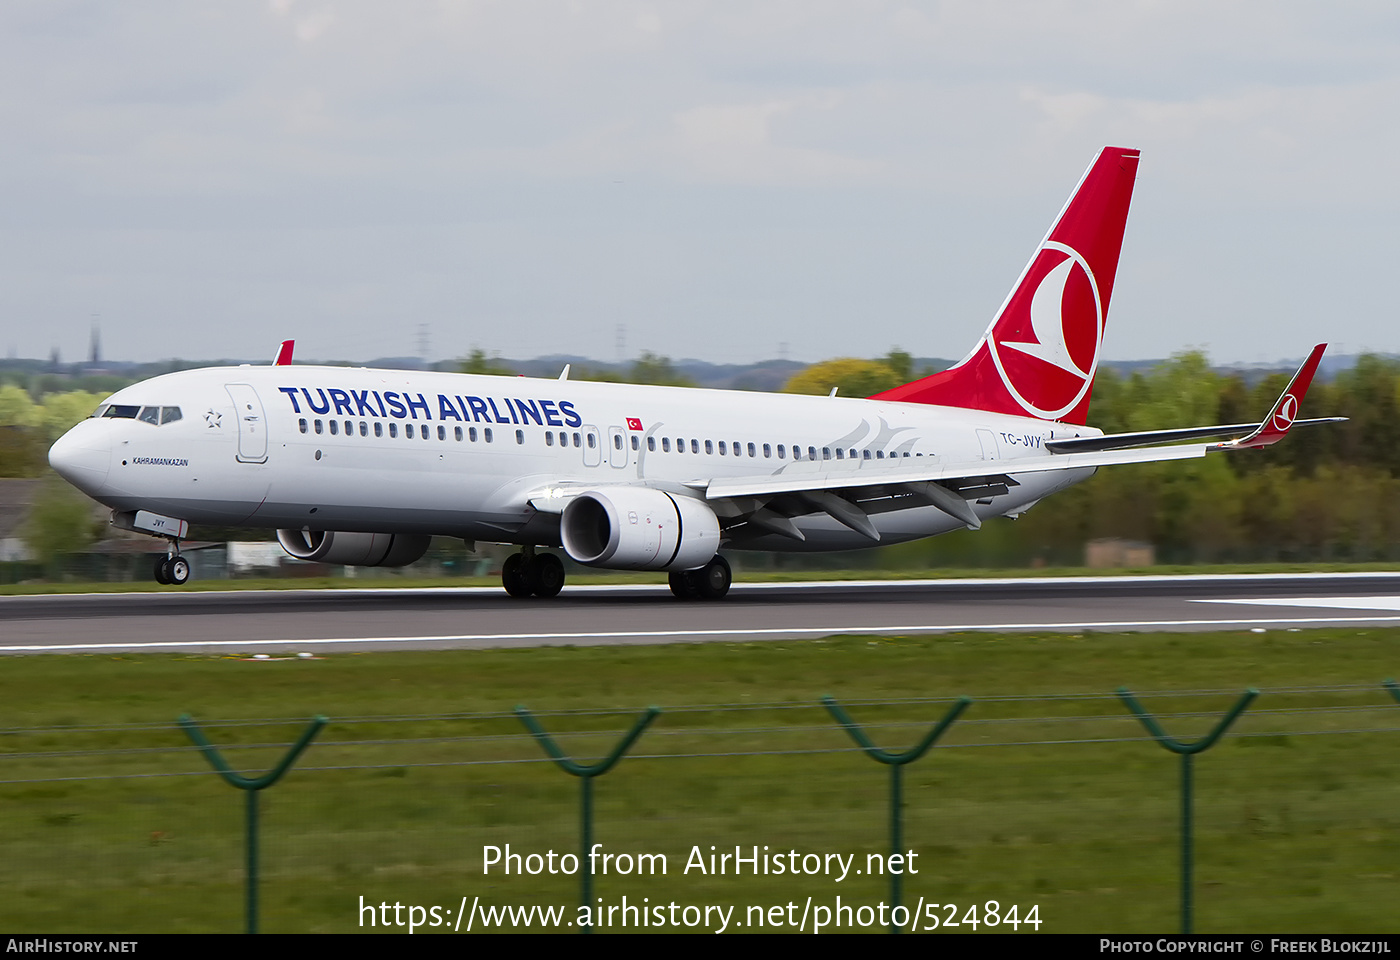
152,415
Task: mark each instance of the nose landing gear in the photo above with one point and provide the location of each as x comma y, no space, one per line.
172,569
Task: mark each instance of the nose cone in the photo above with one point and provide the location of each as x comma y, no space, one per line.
83,456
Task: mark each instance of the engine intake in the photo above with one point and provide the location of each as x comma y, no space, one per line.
354,549
634,528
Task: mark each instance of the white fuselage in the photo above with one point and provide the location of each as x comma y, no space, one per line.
346,449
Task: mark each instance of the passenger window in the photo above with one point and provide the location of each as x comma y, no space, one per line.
636,442
812,453
866,454
651,444
486,434
378,429
442,432
839,454
457,433
753,451
393,430
364,429
520,436
695,446
879,454
780,452
150,415
301,424
169,415
617,441
318,427
721,448
592,440
577,440
796,452
335,428
471,434
549,438
709,446
680,445
767,451
665,444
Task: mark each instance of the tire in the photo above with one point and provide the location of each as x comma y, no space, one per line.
682,585
518,576
177,570
713,579
161,576
549,575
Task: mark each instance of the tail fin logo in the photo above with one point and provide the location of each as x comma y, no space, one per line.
1045,343
1287,413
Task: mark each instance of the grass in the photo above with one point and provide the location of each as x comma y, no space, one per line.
1042,794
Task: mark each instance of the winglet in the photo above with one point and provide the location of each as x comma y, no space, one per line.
1285,411
284,354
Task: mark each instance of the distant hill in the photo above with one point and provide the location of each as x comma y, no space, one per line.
44,376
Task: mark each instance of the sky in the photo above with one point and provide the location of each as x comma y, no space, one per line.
729,181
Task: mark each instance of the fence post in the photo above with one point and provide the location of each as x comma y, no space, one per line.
896,762
585,773
250,788
1186,751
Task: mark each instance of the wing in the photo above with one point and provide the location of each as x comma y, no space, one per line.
850,491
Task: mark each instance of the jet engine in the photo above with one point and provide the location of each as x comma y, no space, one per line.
635,528
354,549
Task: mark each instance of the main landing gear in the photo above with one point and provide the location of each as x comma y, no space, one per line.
172,569
710,582
528,574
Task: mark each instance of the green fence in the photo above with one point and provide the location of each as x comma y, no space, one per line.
1061,807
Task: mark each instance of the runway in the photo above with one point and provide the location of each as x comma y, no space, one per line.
322,621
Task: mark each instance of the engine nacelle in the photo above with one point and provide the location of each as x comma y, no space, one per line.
634,528
354,549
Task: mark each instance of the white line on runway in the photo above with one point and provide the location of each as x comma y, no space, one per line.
1193,578
1335,603
674,636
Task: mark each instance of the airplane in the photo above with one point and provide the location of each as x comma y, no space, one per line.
364,466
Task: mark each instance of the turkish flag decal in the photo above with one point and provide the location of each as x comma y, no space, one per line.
633,423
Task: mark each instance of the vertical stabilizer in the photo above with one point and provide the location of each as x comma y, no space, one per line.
1039,356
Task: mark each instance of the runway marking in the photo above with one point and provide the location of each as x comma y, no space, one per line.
1337,603
1142,580
681,635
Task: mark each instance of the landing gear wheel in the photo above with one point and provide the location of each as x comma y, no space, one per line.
519,575
683,585
713,579
177,570
161,576
549,575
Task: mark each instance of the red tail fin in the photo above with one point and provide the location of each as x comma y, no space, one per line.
1039,355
